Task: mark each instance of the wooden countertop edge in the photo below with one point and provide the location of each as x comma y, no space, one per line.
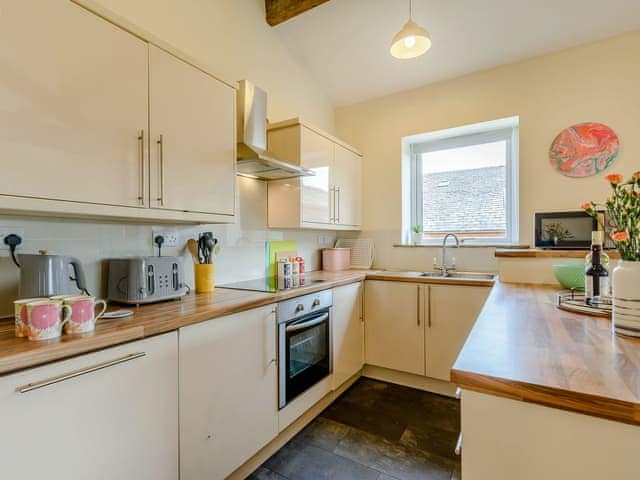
62,350
389,276
539,253
576,402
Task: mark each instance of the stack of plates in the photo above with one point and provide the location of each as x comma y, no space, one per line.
361,251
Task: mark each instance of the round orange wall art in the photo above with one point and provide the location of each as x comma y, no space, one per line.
584,149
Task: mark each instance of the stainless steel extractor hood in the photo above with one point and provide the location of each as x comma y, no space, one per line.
253,160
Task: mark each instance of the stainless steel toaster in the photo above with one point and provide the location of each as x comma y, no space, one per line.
139,280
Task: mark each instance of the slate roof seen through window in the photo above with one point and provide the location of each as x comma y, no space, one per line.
465,201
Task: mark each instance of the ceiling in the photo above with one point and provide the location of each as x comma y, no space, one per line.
345,43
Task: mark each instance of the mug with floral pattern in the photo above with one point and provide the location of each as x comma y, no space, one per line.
83,313
45,319
20,315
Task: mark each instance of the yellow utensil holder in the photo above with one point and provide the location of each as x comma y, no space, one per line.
205,274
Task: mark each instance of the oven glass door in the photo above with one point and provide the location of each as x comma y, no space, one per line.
308,353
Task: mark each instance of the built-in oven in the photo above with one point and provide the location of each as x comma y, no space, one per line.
304,343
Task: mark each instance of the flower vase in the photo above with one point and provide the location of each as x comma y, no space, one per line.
626,298
416,238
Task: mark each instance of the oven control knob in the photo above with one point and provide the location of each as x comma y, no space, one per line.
316,302
300,308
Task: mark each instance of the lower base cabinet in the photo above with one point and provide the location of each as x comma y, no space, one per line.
452,313
419,328
504,439
348,333
114,422
228,392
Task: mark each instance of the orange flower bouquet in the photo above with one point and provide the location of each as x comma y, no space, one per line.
623,210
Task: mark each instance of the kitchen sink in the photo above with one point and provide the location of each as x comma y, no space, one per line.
460,275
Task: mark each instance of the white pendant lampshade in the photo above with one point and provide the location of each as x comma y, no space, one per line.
410,42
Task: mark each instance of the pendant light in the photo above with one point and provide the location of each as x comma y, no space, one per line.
410,42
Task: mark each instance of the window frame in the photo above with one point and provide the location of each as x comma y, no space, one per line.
488,132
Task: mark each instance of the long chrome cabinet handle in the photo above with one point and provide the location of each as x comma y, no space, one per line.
160,143
338,205
458,449
78,373
429,306
332,201
141,167
418,305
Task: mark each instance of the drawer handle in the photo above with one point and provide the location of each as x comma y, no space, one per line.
78,373
458,449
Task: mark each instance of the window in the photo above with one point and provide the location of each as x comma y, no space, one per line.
465,181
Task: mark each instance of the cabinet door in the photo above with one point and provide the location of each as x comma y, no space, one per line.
394,326
192,122
317,192
228,392
453,312
119,421
348,184
348,341
73,91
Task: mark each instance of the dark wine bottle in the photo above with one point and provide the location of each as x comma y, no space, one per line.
596,280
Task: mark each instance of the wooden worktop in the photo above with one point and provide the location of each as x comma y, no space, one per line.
20,353
542,253
523,348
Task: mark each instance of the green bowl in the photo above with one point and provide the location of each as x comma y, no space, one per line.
570,275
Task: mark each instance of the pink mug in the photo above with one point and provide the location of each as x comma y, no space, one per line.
83,313
46,318
20,315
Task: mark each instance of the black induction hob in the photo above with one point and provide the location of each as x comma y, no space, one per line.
270,284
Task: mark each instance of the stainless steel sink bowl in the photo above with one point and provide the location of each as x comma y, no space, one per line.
460,275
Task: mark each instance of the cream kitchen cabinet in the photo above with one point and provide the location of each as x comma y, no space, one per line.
105,415
192,125
505,439
348,333
453,312
74,106
228,392
419,328
347,179
330,199
85,106
394,328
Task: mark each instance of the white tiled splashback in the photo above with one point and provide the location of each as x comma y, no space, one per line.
242,256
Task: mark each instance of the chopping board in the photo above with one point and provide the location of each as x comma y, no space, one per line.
275,248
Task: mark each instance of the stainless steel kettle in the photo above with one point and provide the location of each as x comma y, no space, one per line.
44,275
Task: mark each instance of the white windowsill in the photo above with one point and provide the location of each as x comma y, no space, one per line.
468,245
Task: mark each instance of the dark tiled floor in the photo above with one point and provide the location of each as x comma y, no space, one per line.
376,431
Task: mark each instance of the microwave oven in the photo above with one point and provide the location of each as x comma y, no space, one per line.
567,230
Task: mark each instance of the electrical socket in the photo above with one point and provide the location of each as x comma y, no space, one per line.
170,237
5,231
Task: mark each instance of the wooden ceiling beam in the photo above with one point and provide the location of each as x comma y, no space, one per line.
278,11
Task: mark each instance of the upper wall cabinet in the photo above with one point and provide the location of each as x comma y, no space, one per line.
73,103
331,199
192,138
76,94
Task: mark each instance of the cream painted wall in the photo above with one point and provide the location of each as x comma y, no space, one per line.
232,38
234,41
596,82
